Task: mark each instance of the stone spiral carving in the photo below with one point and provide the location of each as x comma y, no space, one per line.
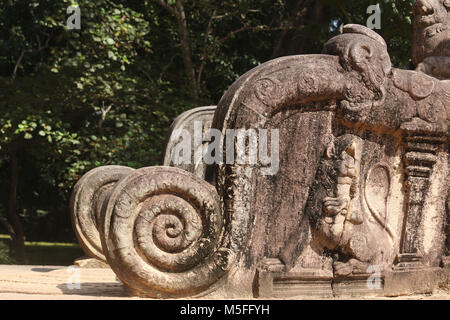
87,199
363,146
164,233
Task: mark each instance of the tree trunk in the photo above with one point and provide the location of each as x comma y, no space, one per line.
295,39
18,237
186,48
179,14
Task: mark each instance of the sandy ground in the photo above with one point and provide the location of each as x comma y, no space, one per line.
69,283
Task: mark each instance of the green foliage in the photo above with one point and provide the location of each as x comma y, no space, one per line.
42,253
51,106
396,23
5,257
72,100
56,254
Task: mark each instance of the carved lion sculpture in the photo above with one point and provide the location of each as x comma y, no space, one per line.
431,43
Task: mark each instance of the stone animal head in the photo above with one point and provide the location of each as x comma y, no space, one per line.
431,29
363,51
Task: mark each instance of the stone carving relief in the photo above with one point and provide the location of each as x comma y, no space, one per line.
361,237
365,96
362,182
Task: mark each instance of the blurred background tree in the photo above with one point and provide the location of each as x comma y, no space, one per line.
72,100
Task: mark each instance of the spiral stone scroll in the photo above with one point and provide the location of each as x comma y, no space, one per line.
87,199
164,233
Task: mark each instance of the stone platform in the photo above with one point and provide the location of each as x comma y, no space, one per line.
61,283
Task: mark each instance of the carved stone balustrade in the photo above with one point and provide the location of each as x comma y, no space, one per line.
356,204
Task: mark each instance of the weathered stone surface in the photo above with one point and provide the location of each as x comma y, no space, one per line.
348,215
347,111
438,67
201,116
431,52
85,262
87,198
359,195
274,282
431,31
52,283
405,282
164,234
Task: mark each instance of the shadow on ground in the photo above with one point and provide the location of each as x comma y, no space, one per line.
95,289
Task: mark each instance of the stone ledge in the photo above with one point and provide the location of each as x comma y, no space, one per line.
50,283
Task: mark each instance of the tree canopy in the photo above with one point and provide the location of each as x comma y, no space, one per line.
72,100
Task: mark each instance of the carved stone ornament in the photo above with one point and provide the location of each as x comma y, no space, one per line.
188,123
87,198
357,206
